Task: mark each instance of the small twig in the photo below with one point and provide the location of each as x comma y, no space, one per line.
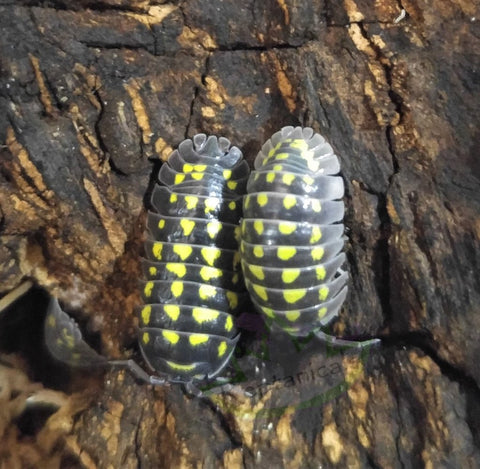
16,293
401,16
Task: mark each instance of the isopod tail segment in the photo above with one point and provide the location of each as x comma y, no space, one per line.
65,342
292,235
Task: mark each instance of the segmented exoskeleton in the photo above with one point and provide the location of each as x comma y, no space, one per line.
193,276
292,235
193,272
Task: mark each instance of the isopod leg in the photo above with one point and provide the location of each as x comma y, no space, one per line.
138,372
336,342
192,390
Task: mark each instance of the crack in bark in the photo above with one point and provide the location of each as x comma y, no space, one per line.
423,341
196,92
382,251
397,437
92,5
372,462
138,445
119,46
232,435
245,48
54,43
326,13
98,135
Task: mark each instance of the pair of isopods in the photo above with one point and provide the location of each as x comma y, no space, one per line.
217,229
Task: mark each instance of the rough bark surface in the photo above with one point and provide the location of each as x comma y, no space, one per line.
93,92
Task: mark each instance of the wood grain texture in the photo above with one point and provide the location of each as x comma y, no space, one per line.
92,91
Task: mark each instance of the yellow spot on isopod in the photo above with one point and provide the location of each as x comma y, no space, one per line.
321,272
289,201
321,312
316,235
182,250
172,311
262,199
187,226
232,185
246,202
257,271
176,288
152,271
210,254
207,273
292,316
191,201
260,291
236,260
200,168
299,144
288,178
146,338
206,291
148,289
204,315
228,323
312,164
178,269
171,337
210,204
308,180
268,312
232,298
213,228
146,312
258,226
316,205
67,338
323,293
286,227
271,177
292,296
197,339
317,253
290,275
197,176
227,173
179,366
179,178
277,167
187,168
235,279
173,198
282,156
222,348
232,205
258,251
157,250
161,223
286,252
51,321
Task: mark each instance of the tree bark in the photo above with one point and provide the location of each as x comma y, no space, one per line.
93,93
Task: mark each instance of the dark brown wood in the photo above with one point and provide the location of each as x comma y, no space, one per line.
91,91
